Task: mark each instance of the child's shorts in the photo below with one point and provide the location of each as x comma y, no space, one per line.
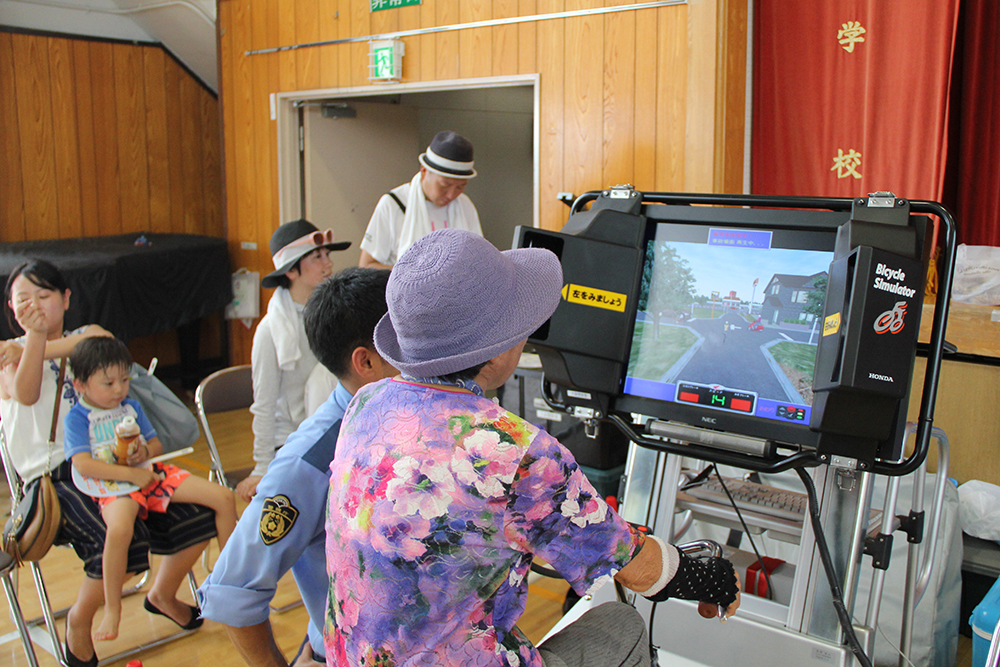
156,497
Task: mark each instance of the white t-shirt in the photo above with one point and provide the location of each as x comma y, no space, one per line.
382,236
27,427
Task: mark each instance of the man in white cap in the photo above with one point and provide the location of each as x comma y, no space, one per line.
433,200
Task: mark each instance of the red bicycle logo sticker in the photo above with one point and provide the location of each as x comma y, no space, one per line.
891,321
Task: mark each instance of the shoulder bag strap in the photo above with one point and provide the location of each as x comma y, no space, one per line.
402,206
55,413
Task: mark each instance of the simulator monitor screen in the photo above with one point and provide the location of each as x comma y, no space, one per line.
729,320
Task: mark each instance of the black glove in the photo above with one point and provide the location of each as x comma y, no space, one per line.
702,579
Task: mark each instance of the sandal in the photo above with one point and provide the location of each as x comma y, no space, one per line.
312,653
72,660
193,624
305,642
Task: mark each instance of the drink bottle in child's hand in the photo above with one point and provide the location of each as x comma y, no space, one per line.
127,432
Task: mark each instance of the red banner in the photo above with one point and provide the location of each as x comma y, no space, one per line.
851,97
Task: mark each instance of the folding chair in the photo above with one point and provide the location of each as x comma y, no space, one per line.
48,617
222,391
7,570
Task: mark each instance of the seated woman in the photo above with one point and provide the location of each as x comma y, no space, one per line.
37,297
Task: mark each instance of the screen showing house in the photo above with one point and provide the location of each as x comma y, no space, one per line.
729,319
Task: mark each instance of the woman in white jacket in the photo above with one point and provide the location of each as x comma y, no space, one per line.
281,360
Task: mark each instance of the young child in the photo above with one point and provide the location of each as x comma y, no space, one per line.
100,368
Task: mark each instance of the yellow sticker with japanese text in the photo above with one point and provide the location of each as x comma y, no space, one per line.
831,324
591,296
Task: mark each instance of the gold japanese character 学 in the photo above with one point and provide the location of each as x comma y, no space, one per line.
850,33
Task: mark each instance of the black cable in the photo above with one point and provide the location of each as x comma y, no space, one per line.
739,515
653,648
831,576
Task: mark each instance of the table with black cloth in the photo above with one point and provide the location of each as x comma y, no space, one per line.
135,285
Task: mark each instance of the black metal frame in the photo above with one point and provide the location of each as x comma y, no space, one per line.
946,241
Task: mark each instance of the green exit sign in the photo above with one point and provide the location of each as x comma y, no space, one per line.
386,60
379,5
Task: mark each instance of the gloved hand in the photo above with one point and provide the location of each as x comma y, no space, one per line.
703,579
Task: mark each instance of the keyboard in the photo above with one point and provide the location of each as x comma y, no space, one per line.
766,500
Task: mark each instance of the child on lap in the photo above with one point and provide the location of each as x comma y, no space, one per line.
101,378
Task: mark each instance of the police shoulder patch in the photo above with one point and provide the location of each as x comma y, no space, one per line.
277,517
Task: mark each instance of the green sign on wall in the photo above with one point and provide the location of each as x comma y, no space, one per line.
378,5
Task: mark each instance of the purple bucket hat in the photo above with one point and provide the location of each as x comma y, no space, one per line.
456,301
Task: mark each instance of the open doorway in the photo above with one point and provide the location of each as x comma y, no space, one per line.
359,143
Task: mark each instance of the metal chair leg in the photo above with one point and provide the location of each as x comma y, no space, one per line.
50,621
7,567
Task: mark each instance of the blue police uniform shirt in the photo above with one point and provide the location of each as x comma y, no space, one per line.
282,528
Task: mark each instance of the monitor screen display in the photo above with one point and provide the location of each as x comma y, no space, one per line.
728,322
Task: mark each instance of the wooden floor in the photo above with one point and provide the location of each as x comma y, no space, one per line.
209,646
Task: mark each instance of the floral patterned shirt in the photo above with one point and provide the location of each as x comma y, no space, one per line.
439,499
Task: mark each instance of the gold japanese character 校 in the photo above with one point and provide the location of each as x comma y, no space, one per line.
846,164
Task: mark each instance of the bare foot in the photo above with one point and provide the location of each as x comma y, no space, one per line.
108,629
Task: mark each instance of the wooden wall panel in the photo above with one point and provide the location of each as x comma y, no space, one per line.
133,183
447,65
64,135
267,72
307,31
329,56
551,58
105,137
89,207
584,103
286,35
211,145
360,26
194,166
343,32
175,148
475,46
671,104
98,137
409,19
729,140
647,67
527,36
505,39
34,115
620,95
11,188
240,139
619,99
427,51
230,90
157,146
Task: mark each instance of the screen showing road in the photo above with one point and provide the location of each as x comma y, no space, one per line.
729,319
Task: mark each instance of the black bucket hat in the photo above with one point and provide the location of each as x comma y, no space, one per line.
292,241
